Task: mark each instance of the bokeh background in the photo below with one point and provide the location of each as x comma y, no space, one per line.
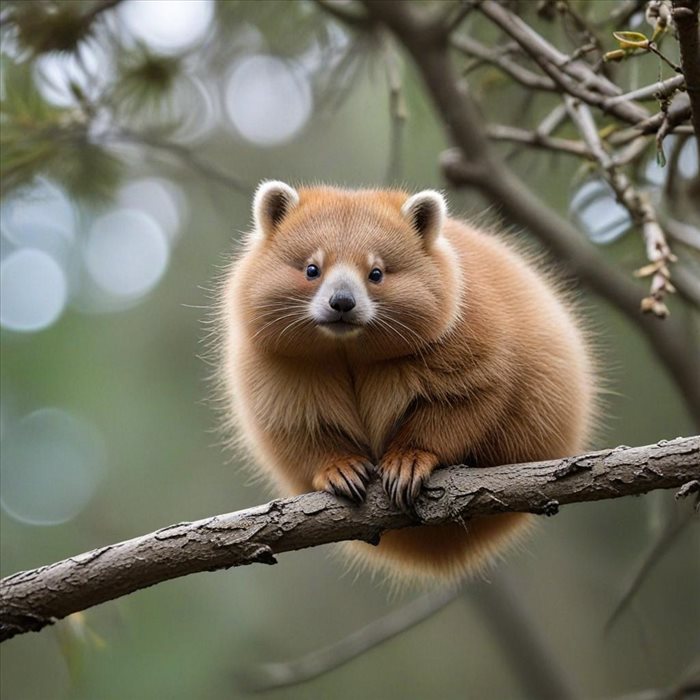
118,217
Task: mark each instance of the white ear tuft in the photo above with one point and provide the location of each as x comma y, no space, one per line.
426,212
273,201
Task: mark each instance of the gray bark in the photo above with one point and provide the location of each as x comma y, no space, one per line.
30,600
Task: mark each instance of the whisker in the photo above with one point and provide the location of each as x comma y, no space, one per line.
290,325
275,320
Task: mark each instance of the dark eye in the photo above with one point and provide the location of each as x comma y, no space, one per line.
376,275
312,272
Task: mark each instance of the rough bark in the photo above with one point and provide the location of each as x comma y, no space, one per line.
685,15
30,600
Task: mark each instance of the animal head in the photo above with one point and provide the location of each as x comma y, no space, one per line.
365,272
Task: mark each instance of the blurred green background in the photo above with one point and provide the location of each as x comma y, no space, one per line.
113,236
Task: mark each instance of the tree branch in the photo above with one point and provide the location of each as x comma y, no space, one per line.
495,57
474,163
30,600
184,155
503,132
685,15
504,612
655,91
282,674
640,208
573,77
344,14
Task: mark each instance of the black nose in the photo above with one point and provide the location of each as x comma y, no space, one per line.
342,301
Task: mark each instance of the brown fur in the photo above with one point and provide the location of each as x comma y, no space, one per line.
474,358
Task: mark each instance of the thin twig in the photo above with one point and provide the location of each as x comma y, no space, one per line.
455,17
638,205
357,20
501,132
659,547
282,674
397,109
683,233
662,88
552,121
526,645
185,155
569,75
475,49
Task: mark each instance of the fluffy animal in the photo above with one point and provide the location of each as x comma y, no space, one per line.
367,332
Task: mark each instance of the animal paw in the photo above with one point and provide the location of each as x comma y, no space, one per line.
404,472
346,476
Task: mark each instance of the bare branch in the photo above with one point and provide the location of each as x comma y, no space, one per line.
552,121
660,89
640,208
30,600
503,610
475,49
678,112
685,15
473,163
671,121
397,107
501,132
343,14
683,233
454,17
659,547
185,156
573,77
285,673
527,646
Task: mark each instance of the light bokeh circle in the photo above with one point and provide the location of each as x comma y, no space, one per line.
267,100
126,253
51,465
33,290
167,26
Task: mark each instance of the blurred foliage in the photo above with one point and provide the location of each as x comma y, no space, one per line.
42,26
39,138
137,374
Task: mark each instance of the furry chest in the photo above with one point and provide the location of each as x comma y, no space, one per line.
325,401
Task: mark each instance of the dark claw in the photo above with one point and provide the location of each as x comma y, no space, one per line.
417,487
406,499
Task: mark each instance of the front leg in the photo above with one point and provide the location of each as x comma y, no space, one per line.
345,476
434,433
404,471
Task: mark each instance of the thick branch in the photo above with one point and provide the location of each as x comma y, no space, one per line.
30,600
685,15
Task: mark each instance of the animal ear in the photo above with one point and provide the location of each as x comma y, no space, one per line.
426,213
273,201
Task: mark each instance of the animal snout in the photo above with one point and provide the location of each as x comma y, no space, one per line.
342,301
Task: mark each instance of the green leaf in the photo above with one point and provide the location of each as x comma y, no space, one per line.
631,40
